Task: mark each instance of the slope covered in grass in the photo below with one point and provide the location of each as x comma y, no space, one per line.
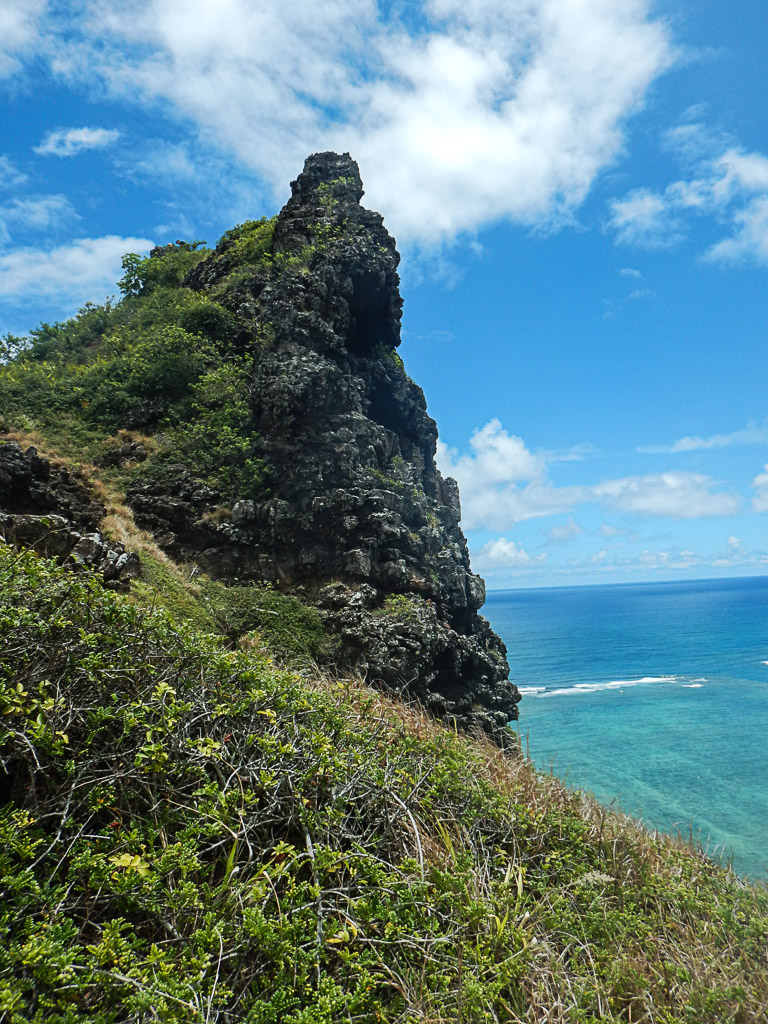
190,833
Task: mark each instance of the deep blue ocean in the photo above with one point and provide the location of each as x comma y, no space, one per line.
654,697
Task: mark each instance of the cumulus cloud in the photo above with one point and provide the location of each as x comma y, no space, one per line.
459,113
158,158
19,32
70,141
38,211
502,482
749,241
749,435
675,495
726,182
646,219
34,213
662,562
669,558
83,271
505,554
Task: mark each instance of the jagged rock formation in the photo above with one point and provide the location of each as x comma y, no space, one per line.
359,520
49,509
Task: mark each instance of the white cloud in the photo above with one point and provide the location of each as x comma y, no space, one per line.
19,32
480,111
729,183
611,531
760,483
34,213
505,554
565,531
85,270
750,239
749,435
70,141
645,218
631,272
503,483
490,478
576,453
742,170
670,558
498,458
10,175
38,211
160,159
675,495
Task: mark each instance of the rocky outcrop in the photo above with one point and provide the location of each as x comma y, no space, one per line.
51,510
358,519
31,485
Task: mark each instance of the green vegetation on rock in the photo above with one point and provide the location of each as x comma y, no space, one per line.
164,358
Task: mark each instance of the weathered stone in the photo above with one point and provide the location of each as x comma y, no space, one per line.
55,537
32,485
88,550
356,495
128,451
51,510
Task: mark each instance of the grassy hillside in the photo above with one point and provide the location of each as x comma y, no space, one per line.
164,360
190,833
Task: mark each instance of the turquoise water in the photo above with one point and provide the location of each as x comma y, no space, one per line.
654,696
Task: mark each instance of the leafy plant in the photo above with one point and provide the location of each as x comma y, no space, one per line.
250,242
166,266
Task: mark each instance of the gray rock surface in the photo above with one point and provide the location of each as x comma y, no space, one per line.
359,520
51,510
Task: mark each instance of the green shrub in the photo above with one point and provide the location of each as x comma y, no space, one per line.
161,358
293,630
218,437
250,242
138,378
166,266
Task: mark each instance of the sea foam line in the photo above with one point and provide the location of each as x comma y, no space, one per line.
615,684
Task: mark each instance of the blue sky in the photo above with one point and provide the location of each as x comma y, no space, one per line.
579,189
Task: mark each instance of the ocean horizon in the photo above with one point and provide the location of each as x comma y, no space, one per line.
652,696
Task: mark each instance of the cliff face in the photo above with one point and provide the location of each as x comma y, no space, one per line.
359,517
353,516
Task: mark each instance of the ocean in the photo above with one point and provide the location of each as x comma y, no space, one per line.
654,697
